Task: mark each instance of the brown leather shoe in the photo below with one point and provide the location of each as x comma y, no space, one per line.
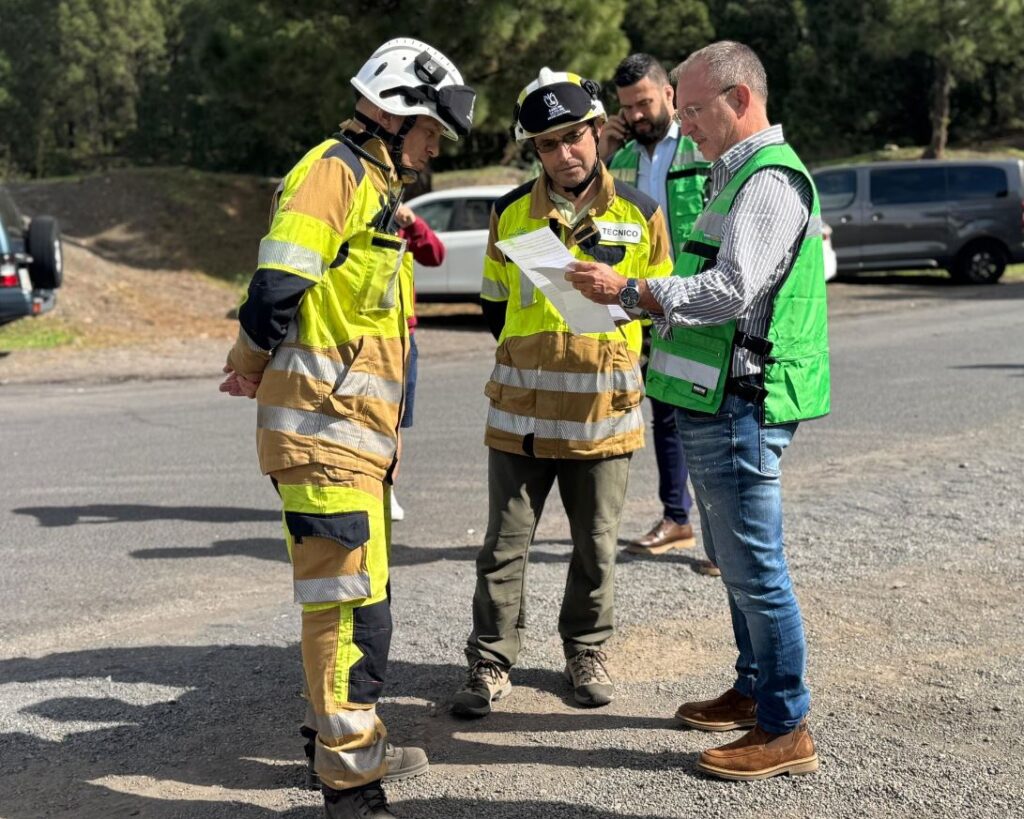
706,567
665,536
759,755
725,713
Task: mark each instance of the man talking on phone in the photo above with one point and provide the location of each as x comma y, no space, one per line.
642,145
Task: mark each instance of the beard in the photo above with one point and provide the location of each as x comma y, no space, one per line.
659,126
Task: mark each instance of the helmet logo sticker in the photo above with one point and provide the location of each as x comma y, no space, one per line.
555,108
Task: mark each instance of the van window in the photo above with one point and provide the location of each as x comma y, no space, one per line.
836,189
977,182
905,186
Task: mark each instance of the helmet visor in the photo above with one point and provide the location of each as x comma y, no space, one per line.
455,107
453,104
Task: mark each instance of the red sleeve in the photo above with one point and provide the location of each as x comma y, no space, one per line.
424,245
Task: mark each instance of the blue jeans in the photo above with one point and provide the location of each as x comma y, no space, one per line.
734,465
668,452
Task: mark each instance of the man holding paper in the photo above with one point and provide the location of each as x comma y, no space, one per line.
566,387
742,352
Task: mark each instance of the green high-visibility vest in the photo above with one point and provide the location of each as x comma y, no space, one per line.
690,369
684,183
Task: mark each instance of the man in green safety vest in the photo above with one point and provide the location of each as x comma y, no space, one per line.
642,145
741,348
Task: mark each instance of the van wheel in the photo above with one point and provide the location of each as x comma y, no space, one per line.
980,263
47,268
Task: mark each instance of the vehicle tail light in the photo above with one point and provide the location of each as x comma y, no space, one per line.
9,276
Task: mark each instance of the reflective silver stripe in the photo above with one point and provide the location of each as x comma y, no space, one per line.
332,589
297,257
317,425
493,290
813,227
527,292
565,430
710,224
252,345
345,382
342,765
688,157
344,723
622,380
687,369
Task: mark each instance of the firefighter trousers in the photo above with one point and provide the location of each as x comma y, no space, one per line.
338,538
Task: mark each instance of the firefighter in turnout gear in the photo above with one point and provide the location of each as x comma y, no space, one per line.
323,347
563,407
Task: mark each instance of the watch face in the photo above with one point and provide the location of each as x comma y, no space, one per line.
629,296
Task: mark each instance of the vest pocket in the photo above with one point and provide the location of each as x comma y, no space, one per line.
379,290
329,556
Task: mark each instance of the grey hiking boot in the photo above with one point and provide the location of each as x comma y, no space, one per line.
487,682
404,763
364,802
589,678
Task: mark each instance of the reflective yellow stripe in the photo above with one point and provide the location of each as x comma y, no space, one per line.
565,430
302,260
619,380
342,431
344,382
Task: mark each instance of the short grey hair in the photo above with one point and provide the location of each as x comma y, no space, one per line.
729,63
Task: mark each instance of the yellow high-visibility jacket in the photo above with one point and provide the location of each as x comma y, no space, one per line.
555,394
324,321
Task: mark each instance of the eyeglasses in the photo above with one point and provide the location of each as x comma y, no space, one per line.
546,146
691,112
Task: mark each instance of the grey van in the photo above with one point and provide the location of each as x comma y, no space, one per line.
966,216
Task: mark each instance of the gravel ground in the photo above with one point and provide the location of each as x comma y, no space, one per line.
909,566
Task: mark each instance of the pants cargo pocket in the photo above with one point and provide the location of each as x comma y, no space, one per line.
329,556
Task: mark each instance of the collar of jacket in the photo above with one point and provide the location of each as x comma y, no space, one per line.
376,148
541,206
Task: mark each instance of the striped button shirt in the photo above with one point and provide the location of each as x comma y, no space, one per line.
760,238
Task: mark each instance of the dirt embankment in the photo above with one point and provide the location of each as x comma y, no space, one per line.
153,262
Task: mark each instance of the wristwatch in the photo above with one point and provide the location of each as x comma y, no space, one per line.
629,296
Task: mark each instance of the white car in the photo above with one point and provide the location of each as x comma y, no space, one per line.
460,217
830,254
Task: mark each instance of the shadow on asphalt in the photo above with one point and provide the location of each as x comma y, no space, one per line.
139,512
402,555
235,726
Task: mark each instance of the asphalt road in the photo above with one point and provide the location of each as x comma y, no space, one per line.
148,657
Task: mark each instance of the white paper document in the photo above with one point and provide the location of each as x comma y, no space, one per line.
544,260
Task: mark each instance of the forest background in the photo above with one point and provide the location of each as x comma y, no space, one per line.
247,86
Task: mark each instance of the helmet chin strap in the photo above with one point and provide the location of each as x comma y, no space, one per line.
395,143
578,189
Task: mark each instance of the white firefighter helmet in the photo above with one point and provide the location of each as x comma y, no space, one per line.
408,78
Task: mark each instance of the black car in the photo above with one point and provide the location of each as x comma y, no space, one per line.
31,262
